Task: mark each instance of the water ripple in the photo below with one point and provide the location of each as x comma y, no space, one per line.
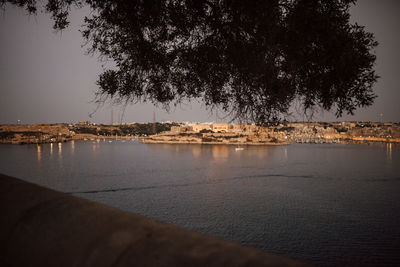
109,190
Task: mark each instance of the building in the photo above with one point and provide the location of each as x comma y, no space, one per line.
181,129
86,123
175,129
201,126
220,127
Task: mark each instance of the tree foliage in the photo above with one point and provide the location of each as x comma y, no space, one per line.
250,58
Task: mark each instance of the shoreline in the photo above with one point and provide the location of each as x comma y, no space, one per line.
149,140
214,143
226,134
143,141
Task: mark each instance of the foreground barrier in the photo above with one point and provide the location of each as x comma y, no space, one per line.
43,227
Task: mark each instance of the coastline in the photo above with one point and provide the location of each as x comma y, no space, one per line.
148,141
326,141
227,134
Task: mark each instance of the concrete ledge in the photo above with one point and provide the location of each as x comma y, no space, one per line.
43,227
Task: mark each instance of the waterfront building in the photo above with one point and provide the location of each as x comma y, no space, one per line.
220,127
201,126
175,129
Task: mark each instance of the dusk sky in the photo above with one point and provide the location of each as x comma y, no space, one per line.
47,77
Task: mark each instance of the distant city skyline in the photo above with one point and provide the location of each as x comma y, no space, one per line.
46,76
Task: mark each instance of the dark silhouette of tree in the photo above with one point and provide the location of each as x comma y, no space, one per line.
251,58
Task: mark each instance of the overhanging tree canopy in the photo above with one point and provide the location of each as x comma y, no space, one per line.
252,58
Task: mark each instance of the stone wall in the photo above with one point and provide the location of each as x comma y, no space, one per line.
42,227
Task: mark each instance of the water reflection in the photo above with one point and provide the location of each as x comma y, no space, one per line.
72,147
60,150
220,153
51,150
196,151
389,152
39,166
95,149
285,154
260,152
39,153
95,146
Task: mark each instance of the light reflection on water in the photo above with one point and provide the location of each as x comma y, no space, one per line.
51,150
331,204
39,153
59,150
389,152
72,147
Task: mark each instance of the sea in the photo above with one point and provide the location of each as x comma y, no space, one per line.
328,204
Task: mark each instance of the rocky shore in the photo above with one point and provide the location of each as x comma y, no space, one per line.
281,134
212,139
63,132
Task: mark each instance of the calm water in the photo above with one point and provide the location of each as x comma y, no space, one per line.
329,204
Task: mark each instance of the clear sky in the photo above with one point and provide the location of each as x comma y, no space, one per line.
46,76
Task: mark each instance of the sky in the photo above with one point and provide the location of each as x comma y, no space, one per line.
46,77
